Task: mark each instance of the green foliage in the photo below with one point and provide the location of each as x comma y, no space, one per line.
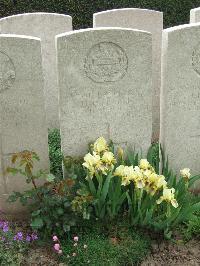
153,156
123,246
106,185
187,209
102,188
175,11
13,245
159,202
11,256
55,154
191,228
49,203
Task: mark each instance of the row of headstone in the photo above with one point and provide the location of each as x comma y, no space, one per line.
44,26
28,89
109,84
22,109
180,95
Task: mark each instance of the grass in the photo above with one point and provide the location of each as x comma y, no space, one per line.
120,246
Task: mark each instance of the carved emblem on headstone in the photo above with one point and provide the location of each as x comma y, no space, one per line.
7,72
106,62
196,59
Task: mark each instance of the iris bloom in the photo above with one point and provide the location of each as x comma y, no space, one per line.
100,145
144,164
185,173
168,196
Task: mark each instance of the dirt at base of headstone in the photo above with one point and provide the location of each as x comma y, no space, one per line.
181,254
162,254
41,257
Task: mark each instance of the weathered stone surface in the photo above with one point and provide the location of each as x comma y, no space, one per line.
105,82
22,111
195,15
180,97
44,26
146,20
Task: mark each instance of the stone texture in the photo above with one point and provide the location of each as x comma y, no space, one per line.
195,15
22,111
44,26
146,20
105,82
180,97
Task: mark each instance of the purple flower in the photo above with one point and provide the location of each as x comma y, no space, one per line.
28,238
34,236
4,225
20,236
5,228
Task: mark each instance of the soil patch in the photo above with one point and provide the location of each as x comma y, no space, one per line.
179,254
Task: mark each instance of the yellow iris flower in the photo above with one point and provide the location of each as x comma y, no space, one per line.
100,145
108,157
144,164
168,195
185,173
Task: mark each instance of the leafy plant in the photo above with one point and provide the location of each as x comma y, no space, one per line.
55,153
154,201
50,203
105,185
13,244
153,156
100,183
192,228
188,208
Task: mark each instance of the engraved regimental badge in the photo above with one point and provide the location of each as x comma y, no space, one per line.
106,62
7,72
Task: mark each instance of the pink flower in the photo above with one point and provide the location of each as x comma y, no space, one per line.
76,238
75,244
60,251
57,247
74,254
55,238
85,246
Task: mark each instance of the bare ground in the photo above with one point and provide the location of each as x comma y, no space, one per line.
179,254
163,254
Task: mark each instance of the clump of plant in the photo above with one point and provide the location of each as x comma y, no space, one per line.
153,201
55,153
101,193
49,199
191,228
111,184
14,244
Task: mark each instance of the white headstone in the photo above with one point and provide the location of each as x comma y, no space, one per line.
22,111
44,26
146,20
195,15
105,82
180,97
